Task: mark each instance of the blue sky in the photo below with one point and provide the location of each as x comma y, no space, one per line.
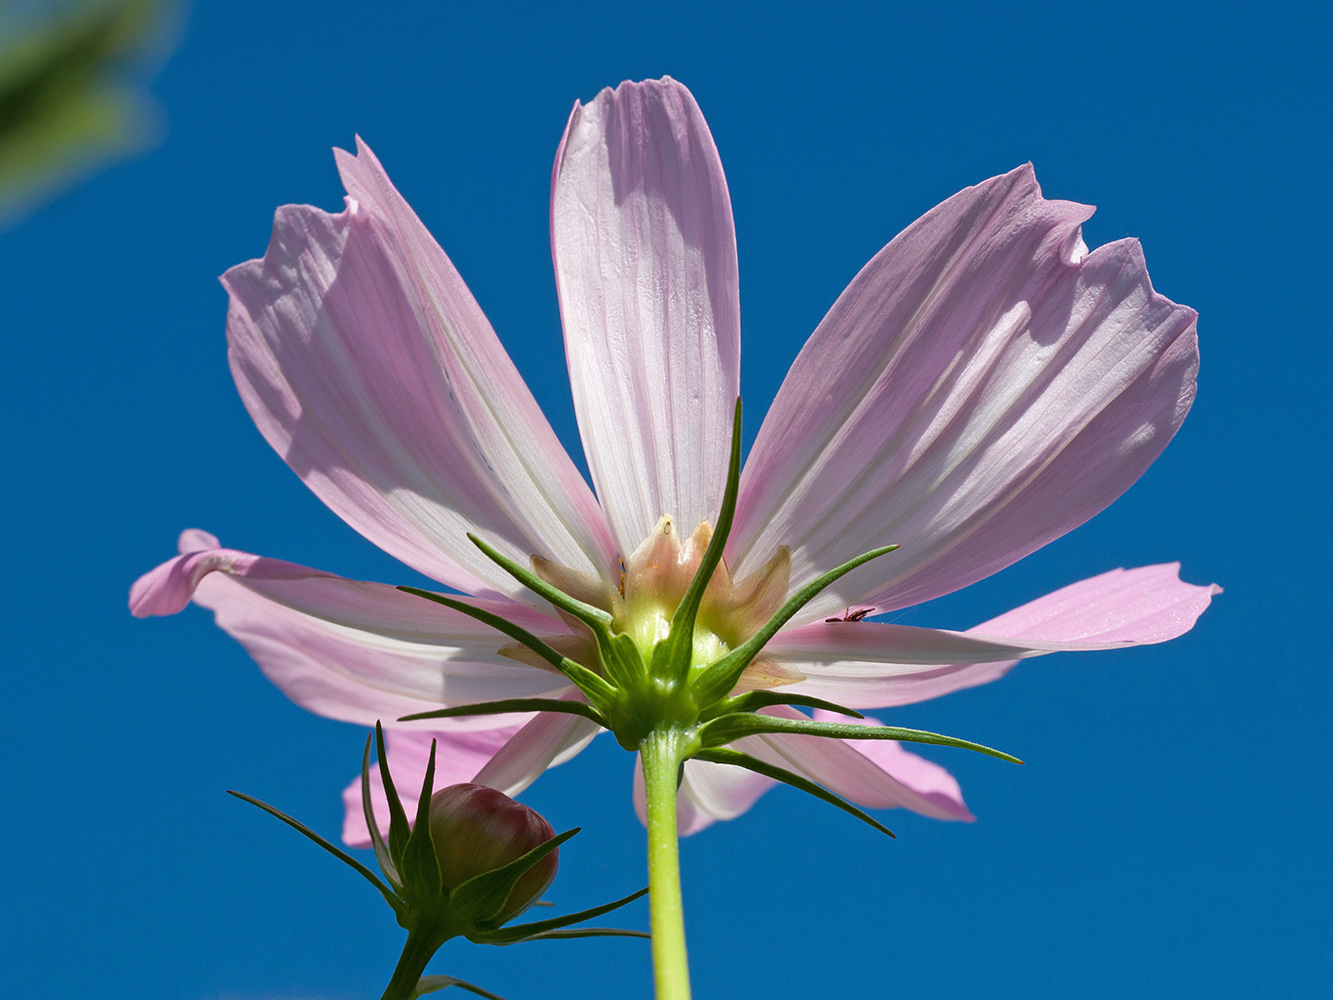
1168,836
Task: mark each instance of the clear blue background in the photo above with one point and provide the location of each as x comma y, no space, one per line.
1169,836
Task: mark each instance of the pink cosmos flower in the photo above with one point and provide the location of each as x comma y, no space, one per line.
984,385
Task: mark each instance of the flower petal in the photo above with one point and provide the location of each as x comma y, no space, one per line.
548,740
459,755
347,649
369,367
645,264
982,387
708,792
873,665
877,774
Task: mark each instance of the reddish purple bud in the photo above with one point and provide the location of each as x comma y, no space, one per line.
477,829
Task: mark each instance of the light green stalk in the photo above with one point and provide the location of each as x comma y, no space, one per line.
663,753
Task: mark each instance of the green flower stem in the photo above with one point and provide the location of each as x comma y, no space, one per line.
662,752
422,943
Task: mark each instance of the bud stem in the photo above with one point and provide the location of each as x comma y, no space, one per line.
422,943
662,754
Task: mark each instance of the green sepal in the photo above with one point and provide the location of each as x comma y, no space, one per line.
622,662
754,700
586,613
735,757
515,933
717,681
585,932
399,830
376,838
389,896
481,897
673,656
599,692
421,868
514,705
621,657
432,984
738,725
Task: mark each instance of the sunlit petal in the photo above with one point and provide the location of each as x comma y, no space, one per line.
549,739
369,367
884,776
645,261
983,386
348,649
875,665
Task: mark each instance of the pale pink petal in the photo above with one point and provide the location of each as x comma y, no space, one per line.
709,792
548,740
926,778
1132,606
982,387
645,263
878,775
347,649
873,665
459,755
369,367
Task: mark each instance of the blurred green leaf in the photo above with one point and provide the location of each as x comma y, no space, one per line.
68,95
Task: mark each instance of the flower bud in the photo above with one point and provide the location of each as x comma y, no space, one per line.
477,829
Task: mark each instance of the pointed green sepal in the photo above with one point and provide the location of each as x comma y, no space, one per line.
735,757
421,868
433,984
728,728
673,656
718,680
382,856
752,701
586,613
399,829
621,657
599,692
585,932
526,932
514,705
480,898
389,896
622,661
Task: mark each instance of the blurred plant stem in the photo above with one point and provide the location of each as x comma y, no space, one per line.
69,98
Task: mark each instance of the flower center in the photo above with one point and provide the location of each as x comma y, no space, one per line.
653,582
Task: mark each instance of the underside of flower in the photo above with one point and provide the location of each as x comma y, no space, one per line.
984,385
674,652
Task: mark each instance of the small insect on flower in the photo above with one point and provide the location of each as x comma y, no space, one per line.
852,616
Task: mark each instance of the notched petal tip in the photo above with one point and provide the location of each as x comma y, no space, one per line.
982,387
645,256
